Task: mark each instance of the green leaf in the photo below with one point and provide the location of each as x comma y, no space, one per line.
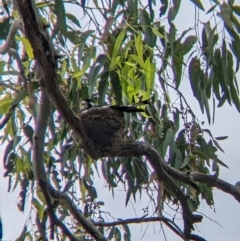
116,48
139,48
177,64
7,150
220,138
185,162
39,207
211,9
60,12
188,44
73,19
28,132
83,70
193,76
198,4
235,96
20,96
93,76
126,237
207,109
126,229
220,162
172,13
102,87
116,86
217,145
222,100
163,8
214,108
167,141
226,14
132,6
27,46
145,22
178,159
236,9
211,44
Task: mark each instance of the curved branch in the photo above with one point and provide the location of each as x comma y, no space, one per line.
16,25
213,181
38,164
15,54
6,47
132,149
44,55
67,203
165,173
136,148
167,221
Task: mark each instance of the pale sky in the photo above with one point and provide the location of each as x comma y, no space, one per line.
226,210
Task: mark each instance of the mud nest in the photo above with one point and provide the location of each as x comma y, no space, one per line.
105,127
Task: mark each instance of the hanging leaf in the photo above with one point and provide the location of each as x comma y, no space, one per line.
226,14
220,138
198,4
116,48
20,96
73,19
167,141
61,18
163,7
27,46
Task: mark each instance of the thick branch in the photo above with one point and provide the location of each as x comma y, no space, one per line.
39,137
67,203
167,221
38,164
213,181
144,149
44,54
161,168
141,148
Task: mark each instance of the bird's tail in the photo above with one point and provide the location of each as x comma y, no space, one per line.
128,109
142,102
131,108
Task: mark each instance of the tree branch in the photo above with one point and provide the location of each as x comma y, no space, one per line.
6,47
44,55
132,149
167,221
38,165
213,181
5,120
16,25
67,203
144,149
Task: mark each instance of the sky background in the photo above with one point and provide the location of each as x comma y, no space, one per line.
221,222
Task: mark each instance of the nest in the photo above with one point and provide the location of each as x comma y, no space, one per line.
105,127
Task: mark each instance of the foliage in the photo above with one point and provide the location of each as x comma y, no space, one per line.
135,53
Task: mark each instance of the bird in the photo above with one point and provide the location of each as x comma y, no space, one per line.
87,104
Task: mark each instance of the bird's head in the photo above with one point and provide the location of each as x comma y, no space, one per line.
86,104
